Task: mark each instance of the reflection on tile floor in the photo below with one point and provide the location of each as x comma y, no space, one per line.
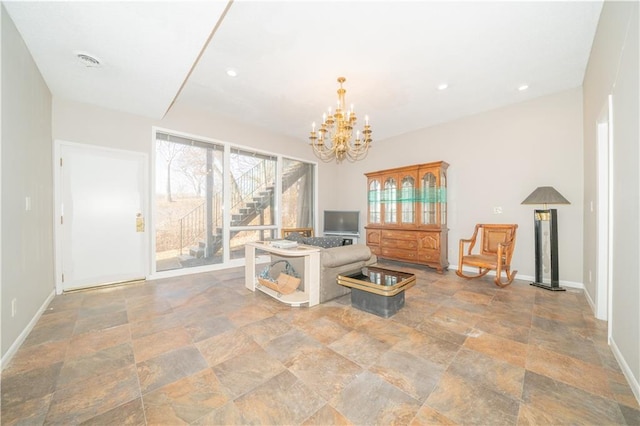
202,349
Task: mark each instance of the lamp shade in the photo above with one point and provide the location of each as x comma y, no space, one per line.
545,195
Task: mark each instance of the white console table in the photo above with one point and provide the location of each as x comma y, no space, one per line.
311,278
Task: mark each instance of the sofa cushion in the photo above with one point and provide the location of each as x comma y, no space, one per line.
324,242
295,236
343,255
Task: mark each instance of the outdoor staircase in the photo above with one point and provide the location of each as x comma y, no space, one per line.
243,213
245,216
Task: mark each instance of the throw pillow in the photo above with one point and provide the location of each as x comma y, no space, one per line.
324,242
295,236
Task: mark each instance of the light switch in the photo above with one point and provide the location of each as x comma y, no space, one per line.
27,203
497,210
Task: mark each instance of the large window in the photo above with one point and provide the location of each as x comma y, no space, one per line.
212,198
253,198
189,197
297,194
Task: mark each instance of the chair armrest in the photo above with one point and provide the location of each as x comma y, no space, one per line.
464,241
502,248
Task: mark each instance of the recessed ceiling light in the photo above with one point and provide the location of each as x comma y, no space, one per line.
442,86
523,87
232,73
88,60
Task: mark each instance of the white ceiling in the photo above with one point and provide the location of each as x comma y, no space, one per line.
288,55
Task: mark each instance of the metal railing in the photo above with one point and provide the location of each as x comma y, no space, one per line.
246,189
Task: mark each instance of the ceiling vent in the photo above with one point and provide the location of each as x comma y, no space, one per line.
88,60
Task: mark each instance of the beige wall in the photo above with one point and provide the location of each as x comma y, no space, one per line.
81,123
613,69
27,236
496,159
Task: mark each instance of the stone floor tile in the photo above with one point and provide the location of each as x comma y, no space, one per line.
466,401
572,371
97,395
185,400
76,371
244,372
158,343
225,346
549,401
202,349
283,400
498,347
130,414
496,374
369,400
169,367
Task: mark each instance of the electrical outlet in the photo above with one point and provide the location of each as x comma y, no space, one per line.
497,210
14,307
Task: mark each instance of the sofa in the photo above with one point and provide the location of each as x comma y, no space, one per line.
335,259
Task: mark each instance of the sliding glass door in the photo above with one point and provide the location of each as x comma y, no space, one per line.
297,194
253,199
188,197
212,198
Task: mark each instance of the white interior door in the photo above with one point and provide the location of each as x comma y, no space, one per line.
102,211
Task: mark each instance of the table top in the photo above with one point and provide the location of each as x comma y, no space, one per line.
299,250
383,281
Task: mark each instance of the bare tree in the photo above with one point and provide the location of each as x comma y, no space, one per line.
169,151
192,164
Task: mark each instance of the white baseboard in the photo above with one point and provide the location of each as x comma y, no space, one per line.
22,337
592,304
633,381
571,284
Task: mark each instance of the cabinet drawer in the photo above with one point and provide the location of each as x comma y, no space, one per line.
428,255
375,250
398,235
394,253
401,244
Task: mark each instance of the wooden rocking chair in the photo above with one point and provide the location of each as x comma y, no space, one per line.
495,250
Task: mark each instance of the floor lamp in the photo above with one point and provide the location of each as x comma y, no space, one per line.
546,236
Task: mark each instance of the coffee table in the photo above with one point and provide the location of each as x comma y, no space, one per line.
377,290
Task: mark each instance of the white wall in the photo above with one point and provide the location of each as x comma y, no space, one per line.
613,69
27,236
497,158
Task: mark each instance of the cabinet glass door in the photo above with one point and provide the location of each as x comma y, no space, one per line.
442,198
374,202
407,202
390,200
429,199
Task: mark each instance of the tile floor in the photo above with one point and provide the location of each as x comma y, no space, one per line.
204,350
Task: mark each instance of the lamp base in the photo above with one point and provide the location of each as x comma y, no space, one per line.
548,287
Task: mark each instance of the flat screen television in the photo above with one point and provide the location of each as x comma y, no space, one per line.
341,222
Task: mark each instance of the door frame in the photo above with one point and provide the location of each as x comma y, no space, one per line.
604,219
57,201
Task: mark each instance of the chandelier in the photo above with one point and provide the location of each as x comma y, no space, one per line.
334,137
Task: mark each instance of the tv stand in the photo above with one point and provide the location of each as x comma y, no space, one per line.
348,238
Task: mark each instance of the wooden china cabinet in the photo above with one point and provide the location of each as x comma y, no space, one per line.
407,214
